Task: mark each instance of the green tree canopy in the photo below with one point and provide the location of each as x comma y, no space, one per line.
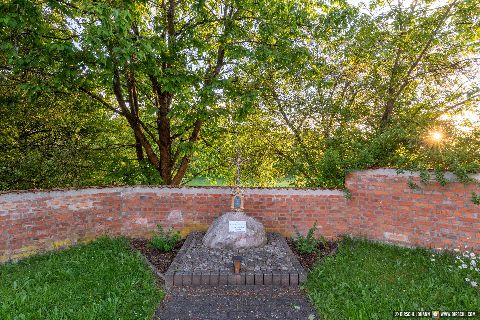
380,80
304,89
167,67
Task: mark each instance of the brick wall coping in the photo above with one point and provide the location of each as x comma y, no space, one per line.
161,190
19,195
449,176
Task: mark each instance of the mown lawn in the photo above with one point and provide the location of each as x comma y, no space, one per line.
367,280
104,279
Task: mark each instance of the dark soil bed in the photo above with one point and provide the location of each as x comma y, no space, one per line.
308,260
161,260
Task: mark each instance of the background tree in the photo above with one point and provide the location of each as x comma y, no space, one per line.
381,79
170,90
76,145
164,66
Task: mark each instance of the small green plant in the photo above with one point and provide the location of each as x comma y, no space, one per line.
165,240
475,198
308,243
440,177
413,185
424,177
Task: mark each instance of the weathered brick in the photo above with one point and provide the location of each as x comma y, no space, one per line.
205,278
214,278
196,278
276,278
223,277
250,278
259,278
285,279
168,279
267,278
293,279
382,207
240,279
178,279
232,279
187,279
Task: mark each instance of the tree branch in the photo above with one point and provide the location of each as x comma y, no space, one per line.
101,100
425,49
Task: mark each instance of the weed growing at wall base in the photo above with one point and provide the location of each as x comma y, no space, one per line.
468,264
308,243
165,240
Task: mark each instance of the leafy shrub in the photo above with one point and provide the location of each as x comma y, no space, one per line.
308,243
165,240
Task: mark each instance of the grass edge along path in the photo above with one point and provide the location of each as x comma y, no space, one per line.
104,279
369,280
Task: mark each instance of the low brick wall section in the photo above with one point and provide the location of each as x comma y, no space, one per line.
382,207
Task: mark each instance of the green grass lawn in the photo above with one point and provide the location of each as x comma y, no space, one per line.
106,280
101,280
206,181
367,280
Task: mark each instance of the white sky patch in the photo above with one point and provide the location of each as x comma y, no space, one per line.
404,3
465,121
363,5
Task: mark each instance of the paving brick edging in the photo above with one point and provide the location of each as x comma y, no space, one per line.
176,277
223,277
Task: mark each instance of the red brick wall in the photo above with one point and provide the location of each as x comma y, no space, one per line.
382,207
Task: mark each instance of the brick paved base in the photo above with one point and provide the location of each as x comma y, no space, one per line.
232,303
261,270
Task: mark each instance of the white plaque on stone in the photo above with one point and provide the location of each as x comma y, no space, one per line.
237,226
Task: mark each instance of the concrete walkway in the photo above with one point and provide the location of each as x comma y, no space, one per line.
229,303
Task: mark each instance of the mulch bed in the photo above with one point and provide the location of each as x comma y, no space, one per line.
161,260
308,260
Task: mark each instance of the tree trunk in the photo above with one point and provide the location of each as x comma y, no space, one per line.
182,170
139,150
387,114
134,110
164,137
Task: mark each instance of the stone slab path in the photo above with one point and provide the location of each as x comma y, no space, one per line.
231,303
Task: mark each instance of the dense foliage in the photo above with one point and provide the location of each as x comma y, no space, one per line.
161,92
382,81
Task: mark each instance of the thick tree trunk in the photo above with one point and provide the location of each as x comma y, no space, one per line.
164,137
182,170
171,171
134,110
139,150
133,121
387,114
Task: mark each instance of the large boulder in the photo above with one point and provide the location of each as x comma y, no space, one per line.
235,230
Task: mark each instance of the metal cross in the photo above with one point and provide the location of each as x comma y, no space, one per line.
238,162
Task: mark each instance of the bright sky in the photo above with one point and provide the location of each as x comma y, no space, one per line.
403,2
